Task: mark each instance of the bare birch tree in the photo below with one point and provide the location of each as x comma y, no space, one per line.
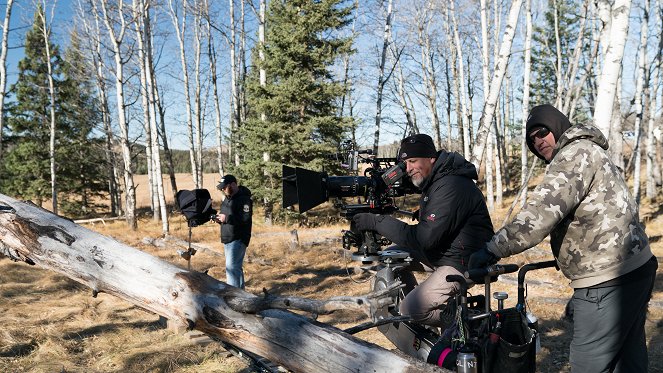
382,79
454,87
490,101
462,94
178,15
197,95
614,42
144,37
117,28
137,9
235,117
639,107
3,66
526,77
45,27
428,68
91,28
652,129
211,55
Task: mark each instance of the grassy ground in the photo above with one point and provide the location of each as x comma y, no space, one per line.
51,323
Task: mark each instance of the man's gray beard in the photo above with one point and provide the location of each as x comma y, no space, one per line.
418,181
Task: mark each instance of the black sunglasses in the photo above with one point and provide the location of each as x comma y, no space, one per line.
541,133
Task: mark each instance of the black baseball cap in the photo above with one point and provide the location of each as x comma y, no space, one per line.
225,181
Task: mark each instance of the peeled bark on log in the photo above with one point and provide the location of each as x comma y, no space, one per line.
36,236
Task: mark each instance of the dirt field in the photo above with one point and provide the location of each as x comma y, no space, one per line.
50,323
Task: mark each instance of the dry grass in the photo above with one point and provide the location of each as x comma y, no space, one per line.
51,323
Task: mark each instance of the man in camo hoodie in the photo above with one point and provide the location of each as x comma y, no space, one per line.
596,237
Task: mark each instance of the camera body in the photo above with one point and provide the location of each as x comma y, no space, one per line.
375,192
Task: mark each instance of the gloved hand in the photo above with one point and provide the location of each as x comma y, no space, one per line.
364,221
481,259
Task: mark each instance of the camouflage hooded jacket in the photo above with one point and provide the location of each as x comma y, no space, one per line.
586,207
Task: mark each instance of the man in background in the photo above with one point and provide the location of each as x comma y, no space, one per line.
235,218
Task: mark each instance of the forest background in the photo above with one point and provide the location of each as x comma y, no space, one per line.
99,98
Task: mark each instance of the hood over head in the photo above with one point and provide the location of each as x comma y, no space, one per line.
549,117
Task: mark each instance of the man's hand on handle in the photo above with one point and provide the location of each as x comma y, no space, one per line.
482,258
364,221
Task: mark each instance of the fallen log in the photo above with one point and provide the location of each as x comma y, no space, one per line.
37,236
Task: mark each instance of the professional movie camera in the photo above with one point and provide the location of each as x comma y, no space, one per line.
376,190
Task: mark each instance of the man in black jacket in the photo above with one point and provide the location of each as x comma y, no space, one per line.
453,223
235,219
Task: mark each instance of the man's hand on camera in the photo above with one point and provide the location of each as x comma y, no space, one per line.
364,221
481,259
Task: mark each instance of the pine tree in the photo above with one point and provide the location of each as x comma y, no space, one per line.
544,49
84,173
25,169
294,118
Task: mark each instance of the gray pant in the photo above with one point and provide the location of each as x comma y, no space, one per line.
424,301
609,328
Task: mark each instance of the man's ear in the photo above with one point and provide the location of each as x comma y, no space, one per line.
432,160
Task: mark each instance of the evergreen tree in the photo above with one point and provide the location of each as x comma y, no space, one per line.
83,172
26,169
544,49
300,101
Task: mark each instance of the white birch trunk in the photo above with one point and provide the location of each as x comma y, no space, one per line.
558,57
46,31
3,66
651,149
151,90
467,123
116,38
429,73
381,77
639,109
570,75
234,88
485,70
455,85
180,30
197,98
526,77
612,62
211,54
138,9
410,125
495,84
497,118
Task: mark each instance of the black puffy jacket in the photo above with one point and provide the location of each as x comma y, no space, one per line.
238,210
453,217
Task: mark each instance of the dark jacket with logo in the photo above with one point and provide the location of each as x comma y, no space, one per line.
453,217
238,209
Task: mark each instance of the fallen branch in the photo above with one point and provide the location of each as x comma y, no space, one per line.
367,304
36,236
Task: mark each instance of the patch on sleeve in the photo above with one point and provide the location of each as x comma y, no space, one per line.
430,217
247,208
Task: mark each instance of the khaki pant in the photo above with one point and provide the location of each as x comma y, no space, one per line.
424,301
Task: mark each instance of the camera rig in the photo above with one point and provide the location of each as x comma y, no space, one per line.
382,181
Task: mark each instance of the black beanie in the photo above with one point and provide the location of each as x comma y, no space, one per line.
417,146
549,117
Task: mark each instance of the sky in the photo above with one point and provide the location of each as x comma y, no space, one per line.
62,18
